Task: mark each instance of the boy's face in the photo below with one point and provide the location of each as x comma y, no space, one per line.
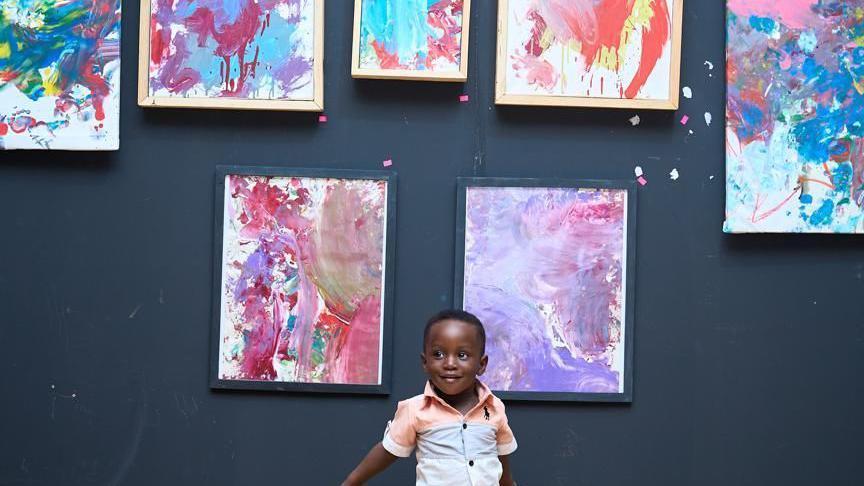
452,356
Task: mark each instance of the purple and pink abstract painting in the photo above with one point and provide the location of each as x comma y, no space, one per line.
544,269
795,116
247,49
302,280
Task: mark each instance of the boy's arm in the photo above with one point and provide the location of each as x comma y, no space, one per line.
377,460
506,478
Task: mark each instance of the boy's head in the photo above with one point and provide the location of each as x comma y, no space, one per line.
454,351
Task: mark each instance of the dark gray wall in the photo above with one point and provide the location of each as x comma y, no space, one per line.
748,349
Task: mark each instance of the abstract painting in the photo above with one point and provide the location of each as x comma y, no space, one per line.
593,53
794,114
60,74
243,54
547,267
303,276
411,39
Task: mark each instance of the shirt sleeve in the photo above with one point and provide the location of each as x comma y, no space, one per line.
400,436
504,437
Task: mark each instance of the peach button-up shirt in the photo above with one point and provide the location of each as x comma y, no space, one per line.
452,449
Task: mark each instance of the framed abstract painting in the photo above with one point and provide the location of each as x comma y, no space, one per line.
60,75
303,287
589,53
411,39
547,265
794,115
244,54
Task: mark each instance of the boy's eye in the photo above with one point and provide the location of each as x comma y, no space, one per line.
437,354
463,355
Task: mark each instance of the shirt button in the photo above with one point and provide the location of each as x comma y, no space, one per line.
471,463
464,426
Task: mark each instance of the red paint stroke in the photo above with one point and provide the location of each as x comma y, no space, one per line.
533,46
23,123
159,40
4,129
653,41
817,181
766,214
232,40
442,16
386,59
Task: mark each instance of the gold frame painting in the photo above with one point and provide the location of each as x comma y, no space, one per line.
313,103
411,74
642,25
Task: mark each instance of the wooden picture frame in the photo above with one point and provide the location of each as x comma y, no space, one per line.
388,253
313,103
487,312
505,97
409,74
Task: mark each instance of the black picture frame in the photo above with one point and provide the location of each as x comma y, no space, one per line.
463,184
383,388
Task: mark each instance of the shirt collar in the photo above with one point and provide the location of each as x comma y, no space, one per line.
483,392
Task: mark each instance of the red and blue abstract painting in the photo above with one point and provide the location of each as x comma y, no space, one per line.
244,49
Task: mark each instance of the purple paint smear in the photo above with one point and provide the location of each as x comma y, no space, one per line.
544,272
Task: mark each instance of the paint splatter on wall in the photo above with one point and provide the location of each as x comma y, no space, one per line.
543,270
250,49
589,48
795,93
59,74
417,35
302,280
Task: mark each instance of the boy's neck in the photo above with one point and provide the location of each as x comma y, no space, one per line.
463,402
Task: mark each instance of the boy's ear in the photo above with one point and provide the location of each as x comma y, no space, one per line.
483,362
423,361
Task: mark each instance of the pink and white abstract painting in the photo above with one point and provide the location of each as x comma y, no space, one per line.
545,270
302,280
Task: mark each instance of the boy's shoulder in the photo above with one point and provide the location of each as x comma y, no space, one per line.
415,400
496,401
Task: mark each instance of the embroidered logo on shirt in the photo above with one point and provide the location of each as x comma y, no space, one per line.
485,412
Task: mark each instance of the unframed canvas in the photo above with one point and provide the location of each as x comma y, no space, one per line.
547,265
245,54
589,53
424,40
60,75
303,280
795,117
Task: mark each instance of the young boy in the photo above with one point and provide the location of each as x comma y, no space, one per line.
457,425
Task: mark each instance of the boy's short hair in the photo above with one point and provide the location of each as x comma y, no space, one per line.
457,315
